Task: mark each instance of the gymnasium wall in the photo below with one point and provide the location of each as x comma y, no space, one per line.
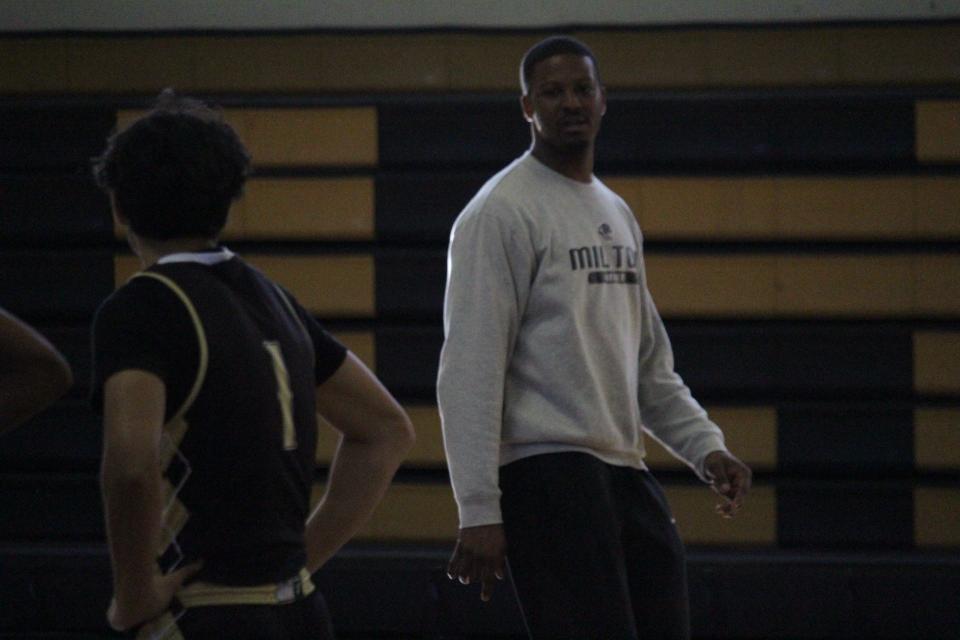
799,191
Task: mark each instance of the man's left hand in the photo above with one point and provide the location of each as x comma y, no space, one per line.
731,481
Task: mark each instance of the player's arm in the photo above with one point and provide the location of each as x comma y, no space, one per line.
375,435
33,374
131,483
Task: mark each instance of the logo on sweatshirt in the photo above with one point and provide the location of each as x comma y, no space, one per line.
605,232
607,264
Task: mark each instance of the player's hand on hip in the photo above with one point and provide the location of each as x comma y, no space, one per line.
731,480
479,556
151,599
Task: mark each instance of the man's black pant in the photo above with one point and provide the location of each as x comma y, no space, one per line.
593,550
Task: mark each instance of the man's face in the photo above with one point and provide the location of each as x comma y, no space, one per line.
565,102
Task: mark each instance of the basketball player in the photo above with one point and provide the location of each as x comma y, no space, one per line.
210,377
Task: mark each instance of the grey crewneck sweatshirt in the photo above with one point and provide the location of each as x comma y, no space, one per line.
552,341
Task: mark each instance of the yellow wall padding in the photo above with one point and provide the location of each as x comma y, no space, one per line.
428,513
750,434
760,56
935,521
936,438
713,285
328,285
938,131
765,285
938,284
936,362
778,56
305,209
845,285
788,208
362,344
693,508
322,136
834,285
410,513
336,285
428,450
938,207
671,208
123,268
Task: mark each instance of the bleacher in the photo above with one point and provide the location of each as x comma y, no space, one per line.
799,192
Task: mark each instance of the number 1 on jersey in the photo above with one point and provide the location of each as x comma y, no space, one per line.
284,396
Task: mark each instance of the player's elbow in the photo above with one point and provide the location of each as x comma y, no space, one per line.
399,432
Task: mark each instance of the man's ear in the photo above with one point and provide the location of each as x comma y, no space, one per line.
527,105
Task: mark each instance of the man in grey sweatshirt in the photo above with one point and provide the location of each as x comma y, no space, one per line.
555,360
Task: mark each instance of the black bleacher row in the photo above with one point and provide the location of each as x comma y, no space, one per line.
694,131
835,385
733,595
769,131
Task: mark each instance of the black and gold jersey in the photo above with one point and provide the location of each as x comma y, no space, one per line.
240,360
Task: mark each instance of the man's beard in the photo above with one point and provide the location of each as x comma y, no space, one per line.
569,147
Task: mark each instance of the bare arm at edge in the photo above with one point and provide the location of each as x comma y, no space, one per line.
33,374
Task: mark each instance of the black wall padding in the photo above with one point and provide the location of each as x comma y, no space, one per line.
715,131
420,206
48,589
51,507
44,138
67,209
74,342
67,436
873,438
776,131
61,285
844,515
407,358
836,361
453,132
780,596
425,601
728,361
410,284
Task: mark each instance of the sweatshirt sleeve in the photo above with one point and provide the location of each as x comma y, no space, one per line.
668,410
489,270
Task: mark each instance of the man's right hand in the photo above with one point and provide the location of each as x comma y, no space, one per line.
479,555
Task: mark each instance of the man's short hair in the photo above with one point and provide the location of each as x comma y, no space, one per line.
552,46
175,171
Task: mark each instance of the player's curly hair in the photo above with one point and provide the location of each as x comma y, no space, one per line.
175,171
